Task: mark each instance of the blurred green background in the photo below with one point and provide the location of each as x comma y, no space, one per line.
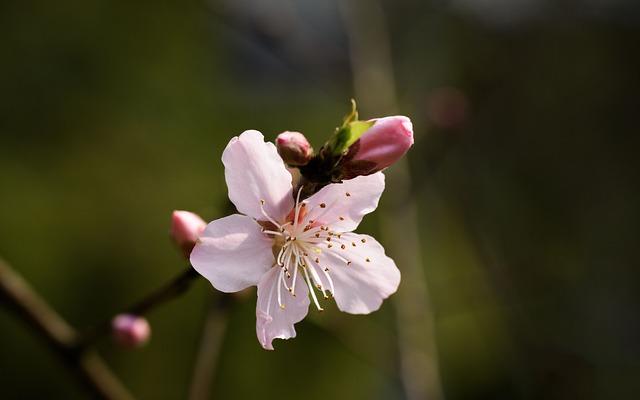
525,172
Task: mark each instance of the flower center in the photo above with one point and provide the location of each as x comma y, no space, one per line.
296,250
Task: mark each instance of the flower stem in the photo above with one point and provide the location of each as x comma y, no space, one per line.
61,338
169,291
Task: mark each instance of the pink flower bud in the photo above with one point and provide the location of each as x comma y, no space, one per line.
186,227
380,146
294,148
130,330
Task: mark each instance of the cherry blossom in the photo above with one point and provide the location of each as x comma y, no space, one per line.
296,251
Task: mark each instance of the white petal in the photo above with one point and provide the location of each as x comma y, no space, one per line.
233,253
360,286
346,203
254,171
273,321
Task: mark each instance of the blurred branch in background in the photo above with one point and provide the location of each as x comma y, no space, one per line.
87,366
372,69
212,337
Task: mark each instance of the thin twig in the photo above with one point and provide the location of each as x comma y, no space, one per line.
87,366
372,70
172,289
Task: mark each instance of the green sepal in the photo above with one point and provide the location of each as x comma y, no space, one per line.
348,133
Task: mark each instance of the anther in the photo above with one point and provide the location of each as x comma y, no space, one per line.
329,245
343,247
262,201
348,194
317,260
341,218
353,244
328,239
368,260
348,263
322,205
363,240
317,235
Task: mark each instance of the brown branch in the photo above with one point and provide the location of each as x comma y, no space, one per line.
169,291
87,366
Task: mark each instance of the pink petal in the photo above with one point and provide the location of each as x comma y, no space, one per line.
272,321
232,253
386,141
360,286
346,203
254,171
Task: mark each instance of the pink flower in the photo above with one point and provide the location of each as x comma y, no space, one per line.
293,250
130,330
294,148
185,229
380,146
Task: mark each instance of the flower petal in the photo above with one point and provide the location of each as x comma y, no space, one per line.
360,285
254,171
273,321
343,205
233,253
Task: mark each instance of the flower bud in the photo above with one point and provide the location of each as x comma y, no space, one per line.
380,146
186,227
294,148
130,330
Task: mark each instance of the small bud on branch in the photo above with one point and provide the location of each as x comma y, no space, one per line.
294,148
185,229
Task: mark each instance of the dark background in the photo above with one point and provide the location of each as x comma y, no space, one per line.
524,170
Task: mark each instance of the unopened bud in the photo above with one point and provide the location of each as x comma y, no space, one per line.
380,146
294,148
130,330
186,227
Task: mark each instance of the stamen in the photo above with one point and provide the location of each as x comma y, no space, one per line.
313,292
284,281
280,291
295,276
316,277
326,274
267,216
295,218
273,233
363,240
348,194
